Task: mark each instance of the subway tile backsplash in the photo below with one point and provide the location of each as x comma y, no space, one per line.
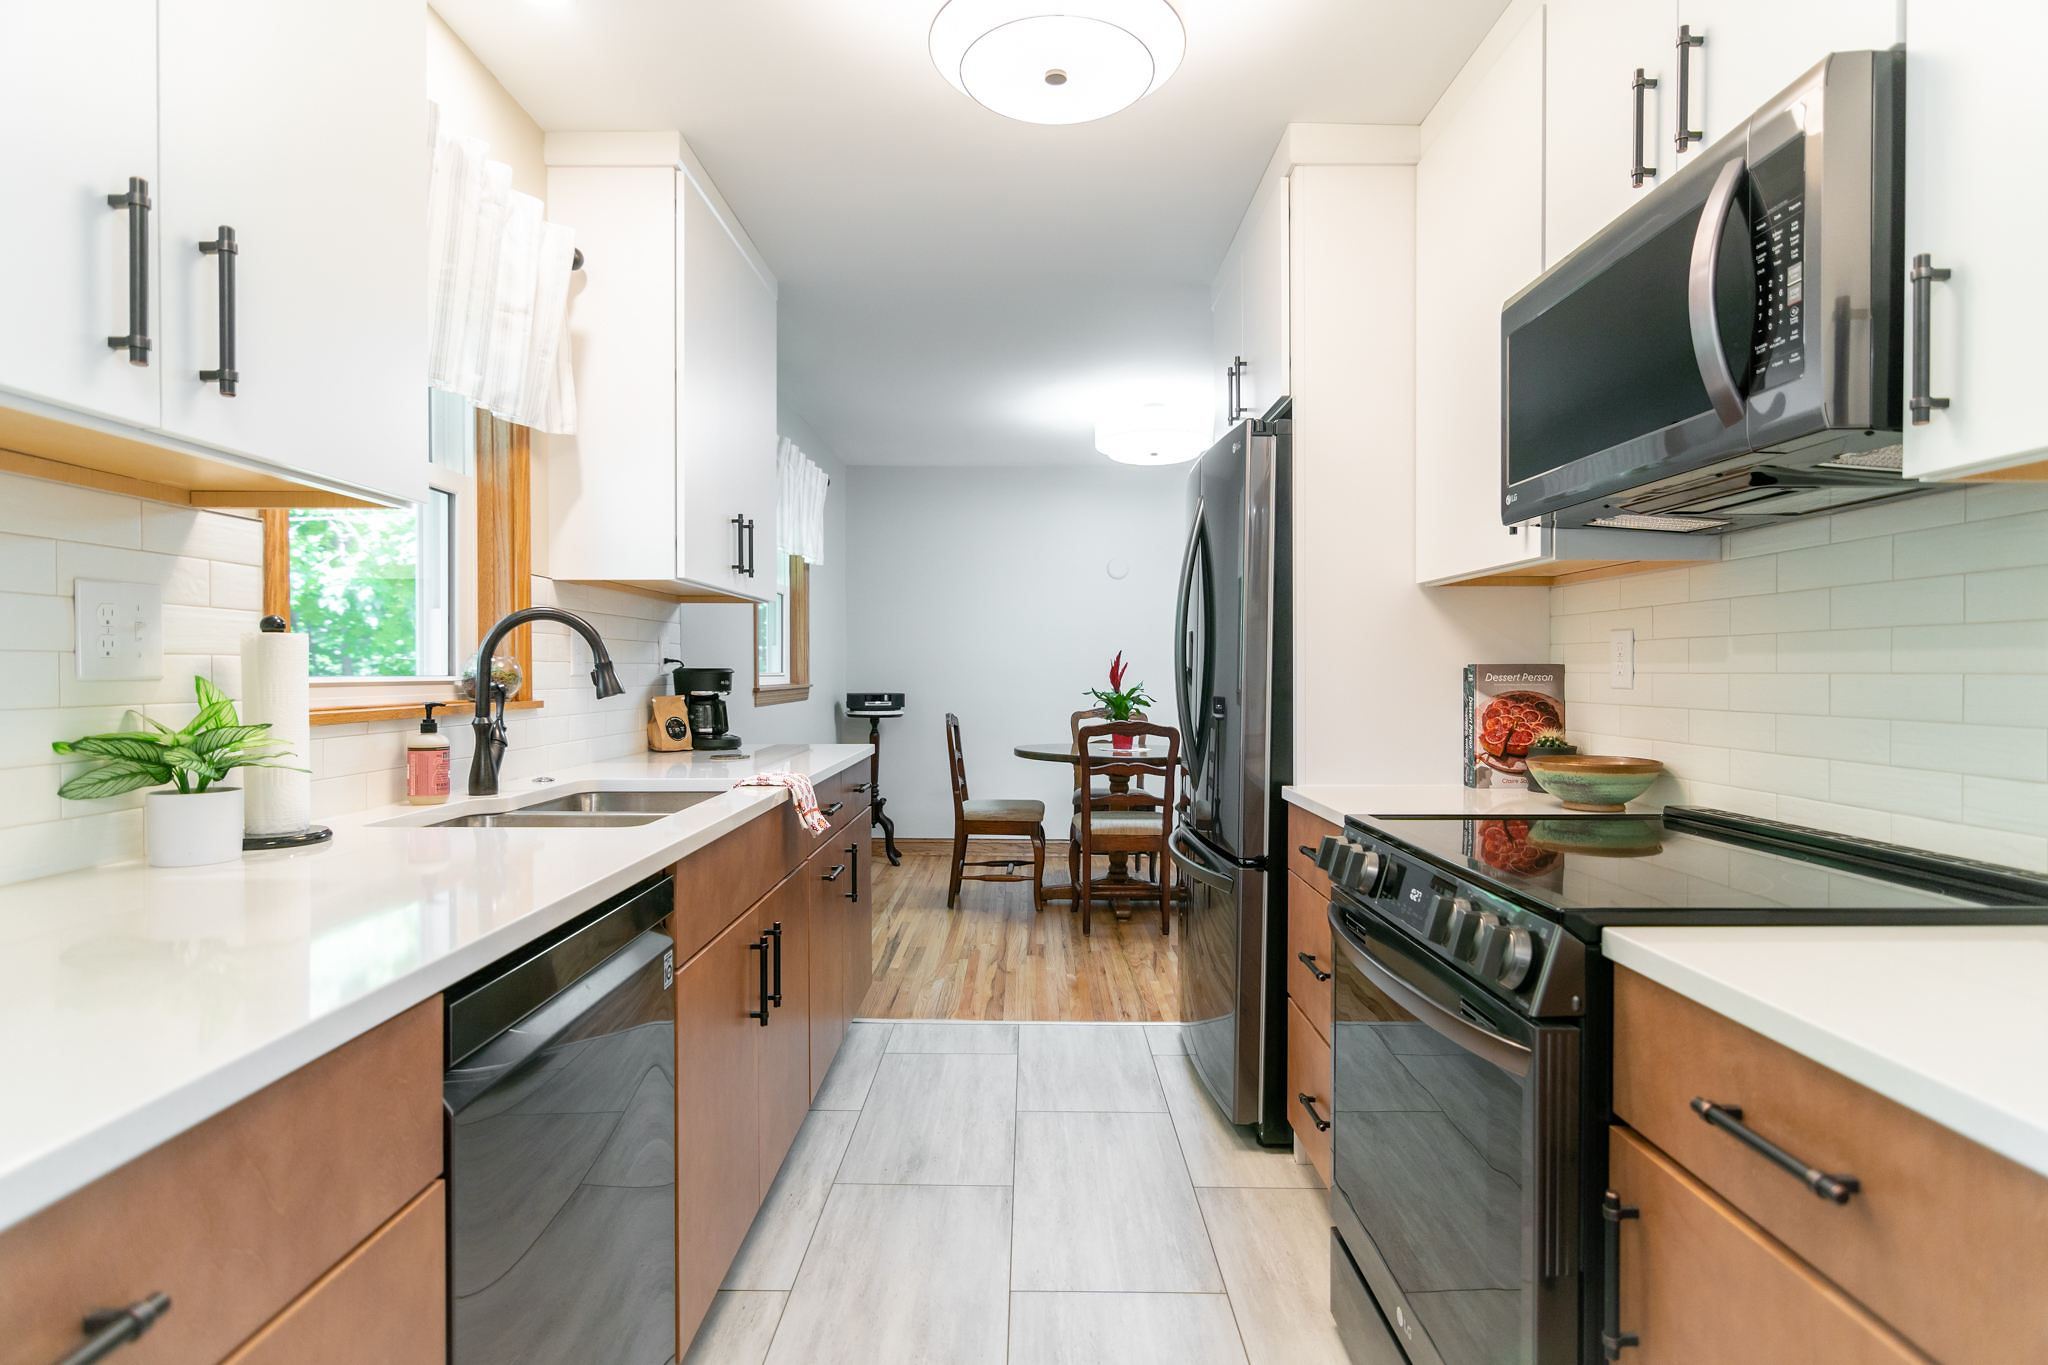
1882,671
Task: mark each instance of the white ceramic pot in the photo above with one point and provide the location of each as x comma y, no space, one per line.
190,830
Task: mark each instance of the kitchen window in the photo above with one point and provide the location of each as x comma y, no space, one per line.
782,636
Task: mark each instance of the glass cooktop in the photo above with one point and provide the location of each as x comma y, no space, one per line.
1702,867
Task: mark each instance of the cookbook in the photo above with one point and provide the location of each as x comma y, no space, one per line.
1506,707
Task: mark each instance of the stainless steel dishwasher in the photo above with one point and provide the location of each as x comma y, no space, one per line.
561,1101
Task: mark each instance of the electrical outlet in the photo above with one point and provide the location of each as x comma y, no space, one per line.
120,631
1621,658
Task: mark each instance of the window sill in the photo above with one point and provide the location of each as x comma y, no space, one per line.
775,694
357,715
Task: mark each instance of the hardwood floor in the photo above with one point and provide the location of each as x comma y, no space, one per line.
996,958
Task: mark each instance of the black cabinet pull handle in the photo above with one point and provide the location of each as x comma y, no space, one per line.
739,544
1921,402
775,992
1687,134
1305,851
1308,1102
760,945
1308,960
136,201
107,1330
752,562
1836,1189
838,871
1639,172
861,788
853,861
1613,1341
226,248
1237,408
833,809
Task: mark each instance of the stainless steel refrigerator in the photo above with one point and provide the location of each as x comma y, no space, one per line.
1233,688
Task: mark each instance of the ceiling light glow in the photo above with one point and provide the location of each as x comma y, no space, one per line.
1152,433
1083,61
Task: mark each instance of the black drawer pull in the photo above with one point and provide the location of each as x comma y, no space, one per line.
760,945
859,788
1305,851
109,1329
1613,1341
1836,1189
838,871
1308,960
1639,172
136,201
853,861
1308,1102
833,809
739,544
225,247
775,992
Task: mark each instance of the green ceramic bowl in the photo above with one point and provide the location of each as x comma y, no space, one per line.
1595,782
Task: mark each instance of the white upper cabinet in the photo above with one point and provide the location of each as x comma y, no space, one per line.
1478,241
1748,50
669,481
77,123
1973,99
1593,51
303,129
1248,310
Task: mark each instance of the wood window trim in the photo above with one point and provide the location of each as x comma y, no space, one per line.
504,573
798,688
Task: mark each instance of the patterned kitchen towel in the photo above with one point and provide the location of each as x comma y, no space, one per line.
801,795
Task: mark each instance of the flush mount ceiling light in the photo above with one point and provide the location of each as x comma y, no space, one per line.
1042,61
1151,434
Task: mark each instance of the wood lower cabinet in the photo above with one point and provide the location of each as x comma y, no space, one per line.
784,919
1311,956
385,1302
718,1112
825,878
1700,1282
1308,1073
860,919
237,1217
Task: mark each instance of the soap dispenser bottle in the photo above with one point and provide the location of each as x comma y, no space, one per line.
426,762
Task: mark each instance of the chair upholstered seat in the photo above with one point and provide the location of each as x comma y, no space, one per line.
1117,823
1022,812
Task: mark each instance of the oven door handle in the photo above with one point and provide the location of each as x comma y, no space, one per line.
1484,1043
1699,295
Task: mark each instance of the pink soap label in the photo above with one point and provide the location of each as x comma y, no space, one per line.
426,772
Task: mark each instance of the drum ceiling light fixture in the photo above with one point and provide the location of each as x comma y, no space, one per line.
1081,61
1151,433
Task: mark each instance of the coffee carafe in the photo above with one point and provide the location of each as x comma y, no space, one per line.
705,691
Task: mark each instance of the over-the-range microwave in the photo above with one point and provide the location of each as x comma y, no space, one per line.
1729,352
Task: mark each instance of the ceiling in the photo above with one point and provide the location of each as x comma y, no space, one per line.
958,288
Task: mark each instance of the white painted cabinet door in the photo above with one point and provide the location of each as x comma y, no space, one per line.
1973,101
1226,332
1478,241
1752,49
302,127
1263,379
77,120
1592,51
725,419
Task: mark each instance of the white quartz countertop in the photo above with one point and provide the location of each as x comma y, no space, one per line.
140,1001
1949,1021
1334,801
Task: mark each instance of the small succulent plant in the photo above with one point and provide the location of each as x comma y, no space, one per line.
1549,742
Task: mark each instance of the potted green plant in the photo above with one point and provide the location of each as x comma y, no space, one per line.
199,821
1120,701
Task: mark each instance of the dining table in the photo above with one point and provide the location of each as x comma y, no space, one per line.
1063,751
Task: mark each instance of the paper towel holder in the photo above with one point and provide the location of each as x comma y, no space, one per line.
311,834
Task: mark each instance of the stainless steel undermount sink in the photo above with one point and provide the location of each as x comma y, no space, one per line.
584,810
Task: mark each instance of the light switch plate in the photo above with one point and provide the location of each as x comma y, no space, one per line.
120,630
1621,658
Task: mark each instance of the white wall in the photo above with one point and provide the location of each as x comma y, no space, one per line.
986,592
1882,672
473,104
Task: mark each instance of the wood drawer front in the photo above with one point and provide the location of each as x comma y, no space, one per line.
1700,1282
1308,1073
1946,1240
237,1216
1308,831
724,879
1308,931
387,1301
849,790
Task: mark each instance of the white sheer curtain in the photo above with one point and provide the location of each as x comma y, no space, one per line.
497,290
800,507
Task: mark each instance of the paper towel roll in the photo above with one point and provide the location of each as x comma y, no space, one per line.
275,690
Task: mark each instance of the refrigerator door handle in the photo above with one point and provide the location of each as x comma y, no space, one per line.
1185,693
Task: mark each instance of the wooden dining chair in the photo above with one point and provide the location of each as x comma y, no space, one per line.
1100,786
1006,819
1127,822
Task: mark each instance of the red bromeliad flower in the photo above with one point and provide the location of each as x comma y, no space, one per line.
1120,701
1117,670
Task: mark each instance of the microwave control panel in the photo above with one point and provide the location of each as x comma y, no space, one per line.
1778,245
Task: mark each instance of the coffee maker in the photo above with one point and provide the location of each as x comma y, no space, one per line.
705,691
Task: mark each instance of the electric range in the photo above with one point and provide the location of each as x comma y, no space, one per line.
1471,1048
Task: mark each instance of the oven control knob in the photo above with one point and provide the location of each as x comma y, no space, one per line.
1343,864
1362,871
1460,926
1518,959
1436,918
1489,944
1327,852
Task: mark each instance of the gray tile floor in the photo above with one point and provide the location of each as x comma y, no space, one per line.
1029,1194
